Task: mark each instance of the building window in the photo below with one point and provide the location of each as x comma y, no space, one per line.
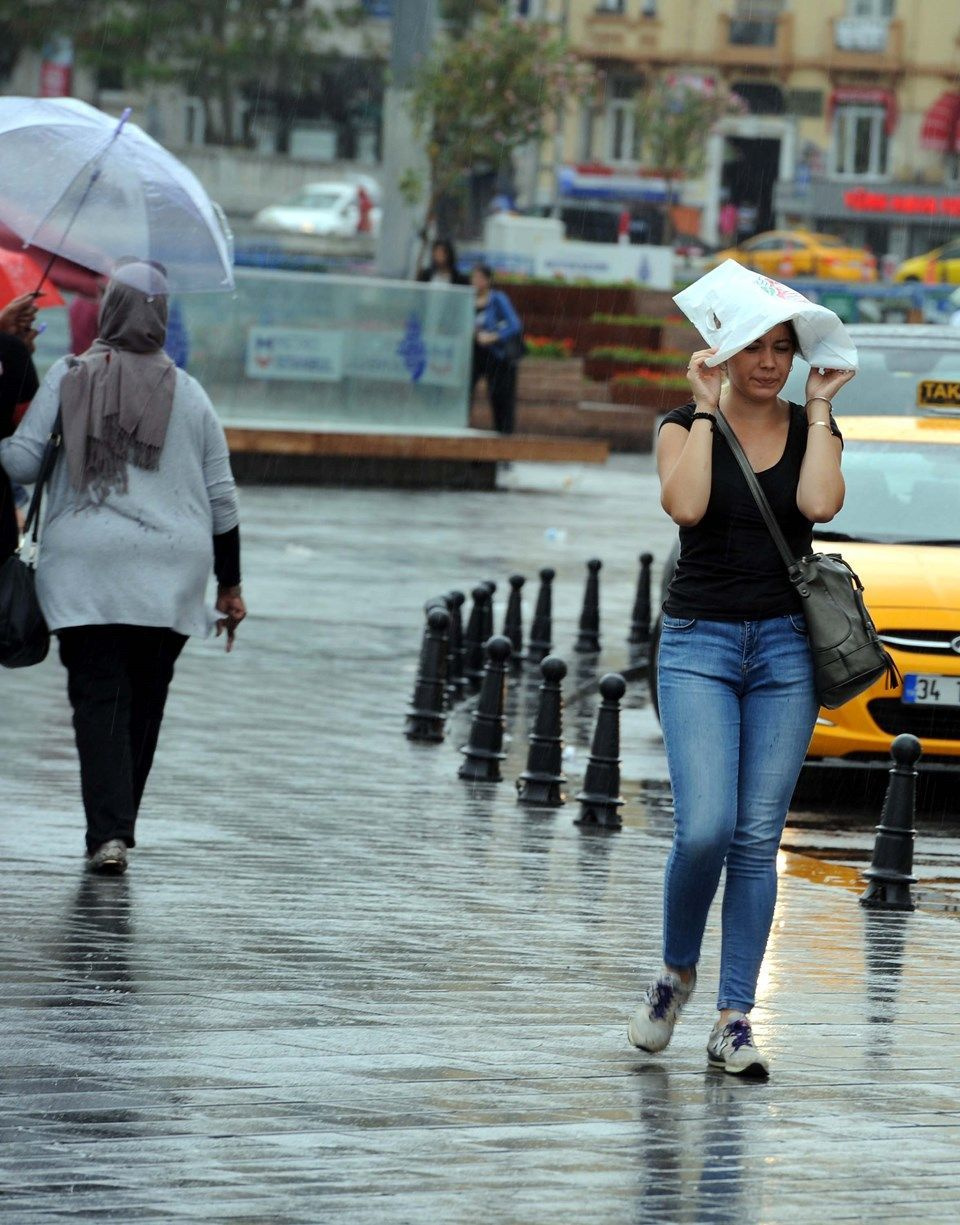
951,170
860,141
870,8
611,6
623,135
588,116
648,9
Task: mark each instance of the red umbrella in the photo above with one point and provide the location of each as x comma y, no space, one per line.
20,273
73,278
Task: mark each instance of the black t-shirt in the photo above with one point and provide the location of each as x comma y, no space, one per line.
729,567
18,382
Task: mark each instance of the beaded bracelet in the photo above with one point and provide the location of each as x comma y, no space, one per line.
705,417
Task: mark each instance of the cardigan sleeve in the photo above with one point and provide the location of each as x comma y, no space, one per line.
509,323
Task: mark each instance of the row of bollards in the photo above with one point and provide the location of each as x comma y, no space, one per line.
543,780
453,657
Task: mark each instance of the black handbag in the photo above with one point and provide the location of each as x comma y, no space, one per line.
24,637
515,348
848,656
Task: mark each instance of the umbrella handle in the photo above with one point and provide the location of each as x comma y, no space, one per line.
127,112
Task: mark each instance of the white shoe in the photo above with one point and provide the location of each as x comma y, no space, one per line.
651,1026
731,1047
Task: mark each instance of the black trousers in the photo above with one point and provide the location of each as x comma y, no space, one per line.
117,681
501,386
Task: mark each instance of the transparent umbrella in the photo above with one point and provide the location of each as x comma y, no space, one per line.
78,183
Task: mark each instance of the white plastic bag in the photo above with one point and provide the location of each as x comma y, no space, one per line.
731,306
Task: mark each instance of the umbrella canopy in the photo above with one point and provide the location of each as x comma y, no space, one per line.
20,272
83,185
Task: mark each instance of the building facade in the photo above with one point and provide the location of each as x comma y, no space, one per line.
852,124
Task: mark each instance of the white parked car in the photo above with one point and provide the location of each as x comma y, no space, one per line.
328,210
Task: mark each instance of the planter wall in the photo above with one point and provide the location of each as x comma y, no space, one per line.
681,336
642,395
572,301
600,369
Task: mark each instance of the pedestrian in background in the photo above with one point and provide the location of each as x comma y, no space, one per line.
442,269
140,503
497,348
18,386
735,683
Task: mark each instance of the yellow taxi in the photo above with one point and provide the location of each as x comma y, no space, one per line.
940,265
899,529
784,254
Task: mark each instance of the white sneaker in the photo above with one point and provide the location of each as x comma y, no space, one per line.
731,1047
651,1026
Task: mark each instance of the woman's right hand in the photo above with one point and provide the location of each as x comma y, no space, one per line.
230,602
705,381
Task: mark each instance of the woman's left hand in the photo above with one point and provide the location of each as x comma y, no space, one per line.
230,601
487,338
825,385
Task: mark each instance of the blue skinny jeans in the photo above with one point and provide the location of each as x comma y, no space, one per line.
737,708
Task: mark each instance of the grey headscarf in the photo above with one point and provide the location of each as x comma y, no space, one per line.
117,397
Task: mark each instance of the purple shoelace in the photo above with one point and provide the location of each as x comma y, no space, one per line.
741,1034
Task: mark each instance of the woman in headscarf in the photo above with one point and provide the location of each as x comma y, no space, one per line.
140,506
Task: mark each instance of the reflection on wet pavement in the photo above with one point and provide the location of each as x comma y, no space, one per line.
339,984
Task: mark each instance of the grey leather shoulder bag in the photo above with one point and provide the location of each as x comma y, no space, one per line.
848,656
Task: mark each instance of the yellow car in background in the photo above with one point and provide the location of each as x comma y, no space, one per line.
939,266
783,254
899,529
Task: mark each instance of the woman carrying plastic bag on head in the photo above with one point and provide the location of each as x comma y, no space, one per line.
735,682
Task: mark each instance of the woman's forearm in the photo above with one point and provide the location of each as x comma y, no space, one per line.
821,489
685,487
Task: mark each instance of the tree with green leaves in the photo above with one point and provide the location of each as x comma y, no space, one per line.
215,49
481,97
675,115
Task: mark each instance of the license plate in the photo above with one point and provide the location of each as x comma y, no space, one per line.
938,393
926,690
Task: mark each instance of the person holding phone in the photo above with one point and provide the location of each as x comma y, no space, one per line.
140,507
735,678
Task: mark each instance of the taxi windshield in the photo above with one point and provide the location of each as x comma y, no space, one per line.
893,380
898,493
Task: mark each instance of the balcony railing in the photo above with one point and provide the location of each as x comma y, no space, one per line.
865,44
861,34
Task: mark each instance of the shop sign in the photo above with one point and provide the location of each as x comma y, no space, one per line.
864,200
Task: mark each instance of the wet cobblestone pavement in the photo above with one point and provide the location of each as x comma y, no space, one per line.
338,984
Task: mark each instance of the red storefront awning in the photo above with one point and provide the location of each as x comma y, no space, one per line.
941,124
855,95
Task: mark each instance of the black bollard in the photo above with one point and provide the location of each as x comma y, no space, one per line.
588,642
890,872
484,752
600,798
541,628
488,627
473,635
456,681
640,622
543,780
513,621
425,717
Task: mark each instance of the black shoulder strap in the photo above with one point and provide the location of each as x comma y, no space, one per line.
754,486
46,468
